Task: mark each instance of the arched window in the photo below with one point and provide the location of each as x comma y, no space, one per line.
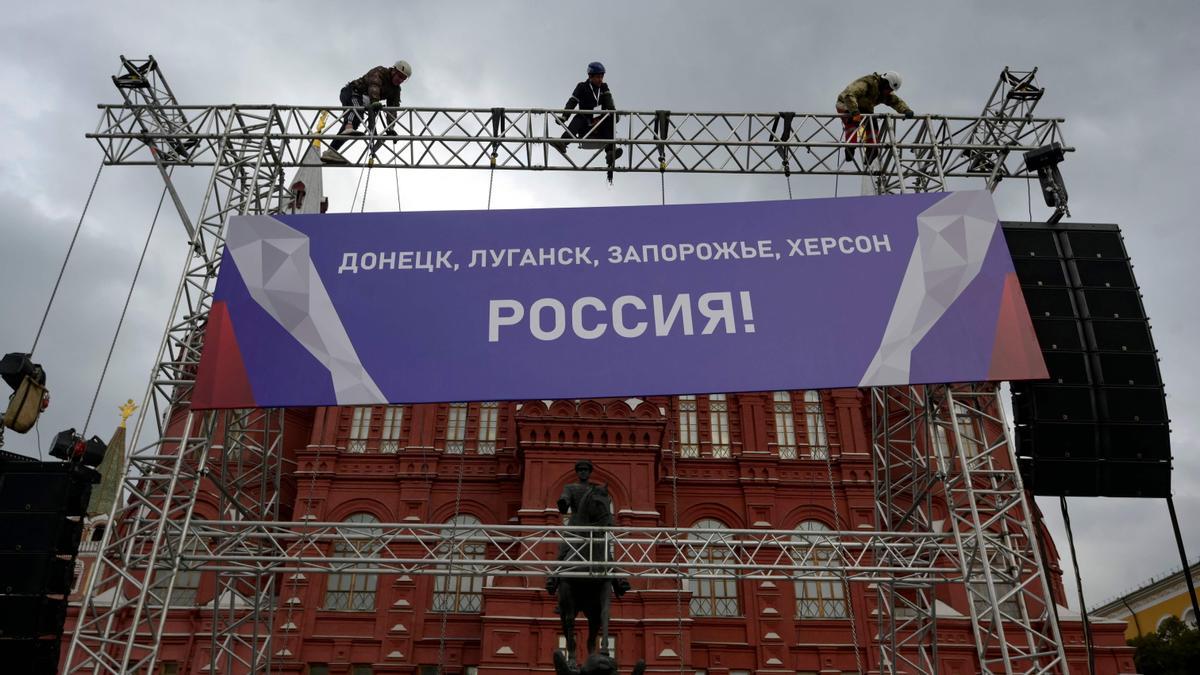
461,588
187,581
819,598
1189,617
712,597
352,590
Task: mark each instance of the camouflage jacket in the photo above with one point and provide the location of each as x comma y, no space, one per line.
863,94
377,84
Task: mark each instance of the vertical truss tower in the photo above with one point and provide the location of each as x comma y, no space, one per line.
943,442
951,444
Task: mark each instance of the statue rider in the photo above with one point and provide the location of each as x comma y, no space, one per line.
570,501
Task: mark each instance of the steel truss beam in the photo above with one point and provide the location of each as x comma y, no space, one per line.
154,535
915,155
523,550
249,483
905,482
1015,624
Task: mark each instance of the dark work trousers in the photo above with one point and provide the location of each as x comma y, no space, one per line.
581,123
355,99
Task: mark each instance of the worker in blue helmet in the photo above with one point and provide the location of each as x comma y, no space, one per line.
589,95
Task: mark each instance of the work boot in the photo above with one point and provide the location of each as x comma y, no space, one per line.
552,585
621,587
613,154
332,156
559,146
850,154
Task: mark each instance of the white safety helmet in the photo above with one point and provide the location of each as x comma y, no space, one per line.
403,67
892,78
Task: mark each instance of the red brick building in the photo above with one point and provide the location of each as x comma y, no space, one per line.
788,460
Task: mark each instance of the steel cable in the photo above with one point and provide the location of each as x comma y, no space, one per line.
125,308
70,248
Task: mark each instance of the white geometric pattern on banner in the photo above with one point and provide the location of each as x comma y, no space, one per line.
275,266
953,237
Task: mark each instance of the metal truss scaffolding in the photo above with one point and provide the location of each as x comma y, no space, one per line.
124,610
952,442
155,538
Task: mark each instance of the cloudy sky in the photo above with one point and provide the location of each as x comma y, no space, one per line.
1120,73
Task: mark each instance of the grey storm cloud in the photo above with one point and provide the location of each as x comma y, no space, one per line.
1122,74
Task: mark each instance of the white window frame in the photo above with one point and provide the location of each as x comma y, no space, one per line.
489,422
718,425
689,427
360,429
351,591
717,598
814,425
785,425
819,599
393,420
460,593
456,428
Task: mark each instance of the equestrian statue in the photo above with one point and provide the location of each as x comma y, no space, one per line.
588,504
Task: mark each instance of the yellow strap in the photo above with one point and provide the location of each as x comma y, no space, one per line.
320,128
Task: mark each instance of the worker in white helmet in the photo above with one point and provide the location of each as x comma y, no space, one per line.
379,87
860,98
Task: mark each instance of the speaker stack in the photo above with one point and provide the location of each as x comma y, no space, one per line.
1098,427
42,505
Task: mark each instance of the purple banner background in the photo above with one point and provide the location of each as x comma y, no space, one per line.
423,336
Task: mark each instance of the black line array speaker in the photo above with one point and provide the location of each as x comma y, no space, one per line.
42,505
1098,427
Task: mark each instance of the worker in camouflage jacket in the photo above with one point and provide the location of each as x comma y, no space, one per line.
379,87
860,98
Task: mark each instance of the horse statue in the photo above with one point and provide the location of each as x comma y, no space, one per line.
591,595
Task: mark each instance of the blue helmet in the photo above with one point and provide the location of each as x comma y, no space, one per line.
595,68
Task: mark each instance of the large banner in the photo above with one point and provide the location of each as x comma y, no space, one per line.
345,309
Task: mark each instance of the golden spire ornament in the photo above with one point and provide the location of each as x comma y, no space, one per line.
126,411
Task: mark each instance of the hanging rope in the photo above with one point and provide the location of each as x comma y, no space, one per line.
491,178
1087,624
70,247
462,460
308,503
788,178
675,519
354,199
1029,198
396,173
837,525
125,308
367,184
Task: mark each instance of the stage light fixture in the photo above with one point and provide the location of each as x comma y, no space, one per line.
69,446
1045,161
29,397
